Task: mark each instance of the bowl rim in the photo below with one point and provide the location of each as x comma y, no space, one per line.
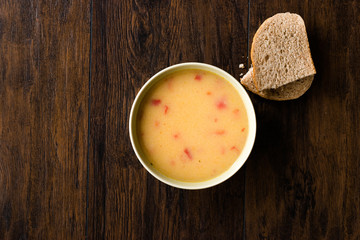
239,162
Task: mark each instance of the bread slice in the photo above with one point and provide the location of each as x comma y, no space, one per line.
288,91
280,52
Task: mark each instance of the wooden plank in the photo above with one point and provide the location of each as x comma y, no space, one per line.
303,177
132,40
44,66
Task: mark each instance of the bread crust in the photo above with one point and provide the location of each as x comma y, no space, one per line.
288,91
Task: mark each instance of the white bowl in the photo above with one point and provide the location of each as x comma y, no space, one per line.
239,161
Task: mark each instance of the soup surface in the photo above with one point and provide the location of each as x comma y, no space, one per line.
192,125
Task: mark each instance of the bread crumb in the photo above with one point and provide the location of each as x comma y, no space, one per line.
241,74
241,65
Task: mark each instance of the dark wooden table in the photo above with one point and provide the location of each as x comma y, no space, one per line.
69,71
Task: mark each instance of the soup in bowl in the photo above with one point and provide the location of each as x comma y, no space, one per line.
192,125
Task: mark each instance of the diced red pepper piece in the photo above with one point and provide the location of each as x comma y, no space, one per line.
166,109
155,102
221,104
170,84
243,129
208,93
234,148
198,77
176,136
220,132
188,154
223,150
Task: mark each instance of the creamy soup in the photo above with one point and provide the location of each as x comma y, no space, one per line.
192,125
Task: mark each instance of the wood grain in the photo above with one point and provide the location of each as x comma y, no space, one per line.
44,53
132,40
302,180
